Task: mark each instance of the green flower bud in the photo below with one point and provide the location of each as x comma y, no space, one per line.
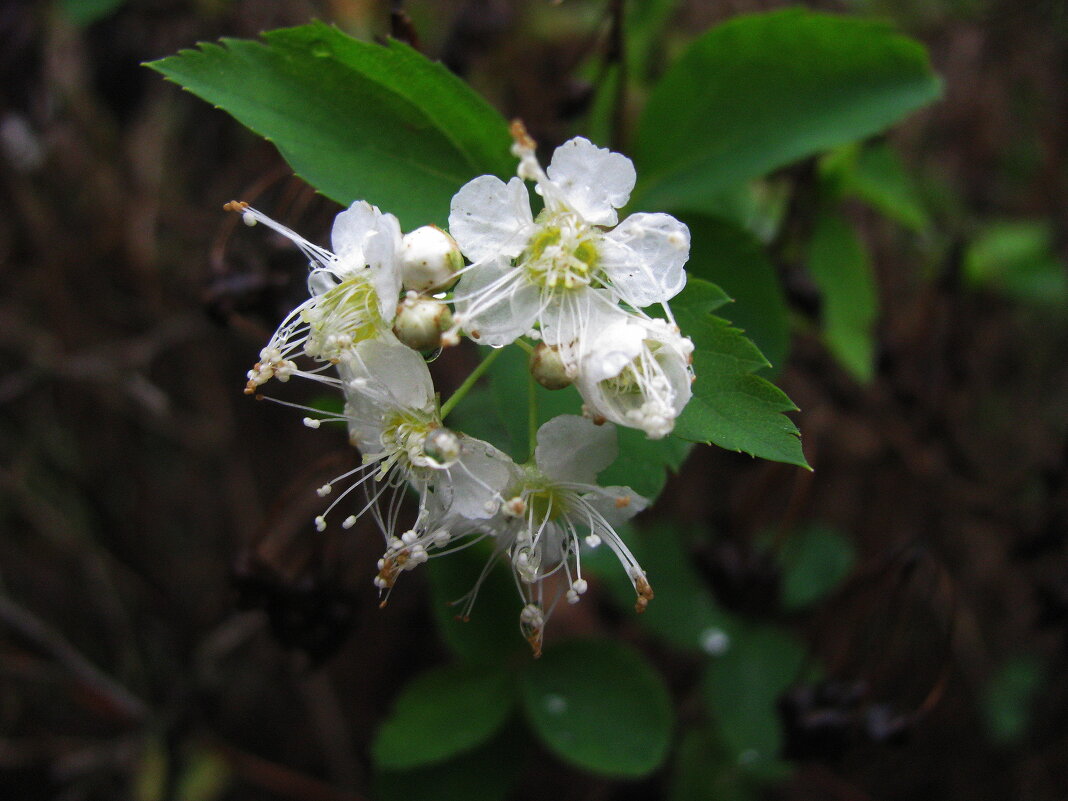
420,322
548,368
430,260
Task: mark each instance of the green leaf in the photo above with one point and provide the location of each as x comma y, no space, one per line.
839,265
355,120
1009,697
86,12
762,91
492,632
683,613
642,464
703,771
734,260
742,689
599,705
486,773
875,174
444,712
813,560
731,407
1017,259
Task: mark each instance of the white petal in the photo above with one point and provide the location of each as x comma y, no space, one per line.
593,180
616,505
644,257
389,375
477,481
351,228
572,449
488,218
381,251
496,302
616,346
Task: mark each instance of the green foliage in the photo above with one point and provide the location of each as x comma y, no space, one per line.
356,120
493,630
742,688
734,260
86,12
839,264
761,91
814,560
486,773
704,770
684,613
1008,698
731,407
1017,259
444,712
599,705
875,174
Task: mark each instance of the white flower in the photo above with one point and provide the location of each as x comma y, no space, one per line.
529,270
354,292
553,505
635,371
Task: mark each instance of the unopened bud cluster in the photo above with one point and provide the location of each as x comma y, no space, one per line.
569,281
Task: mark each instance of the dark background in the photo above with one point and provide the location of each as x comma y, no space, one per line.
161,605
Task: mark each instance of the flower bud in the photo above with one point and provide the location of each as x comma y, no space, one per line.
442,447
420,322
548,368
430,260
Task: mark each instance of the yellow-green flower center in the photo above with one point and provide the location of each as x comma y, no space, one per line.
342,317
562,254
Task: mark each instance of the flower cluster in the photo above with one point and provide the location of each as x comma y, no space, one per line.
570,284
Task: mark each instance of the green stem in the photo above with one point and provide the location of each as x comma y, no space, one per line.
469,382
532,414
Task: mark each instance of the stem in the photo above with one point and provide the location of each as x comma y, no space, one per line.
532,415
469,382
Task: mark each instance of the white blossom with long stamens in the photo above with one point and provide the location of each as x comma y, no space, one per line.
354,291
529,270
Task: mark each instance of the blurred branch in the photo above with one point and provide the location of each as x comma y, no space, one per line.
55,645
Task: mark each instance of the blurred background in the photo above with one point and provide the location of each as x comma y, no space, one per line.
169,629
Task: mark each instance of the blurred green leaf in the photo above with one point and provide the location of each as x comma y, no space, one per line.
874,173
839,264
703,771
444,712
683,613
742,687
492,632
599,705
813,560
734,260
355,120
1009,696
486,773
761,91
643,463
731,407
1016,259
86,12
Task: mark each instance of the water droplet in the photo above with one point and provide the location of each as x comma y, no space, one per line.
715,641
555,704
321,50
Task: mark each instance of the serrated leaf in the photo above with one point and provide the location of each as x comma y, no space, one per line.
730,406
840,267
761,91
599,705
355,120
443,712
734,260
